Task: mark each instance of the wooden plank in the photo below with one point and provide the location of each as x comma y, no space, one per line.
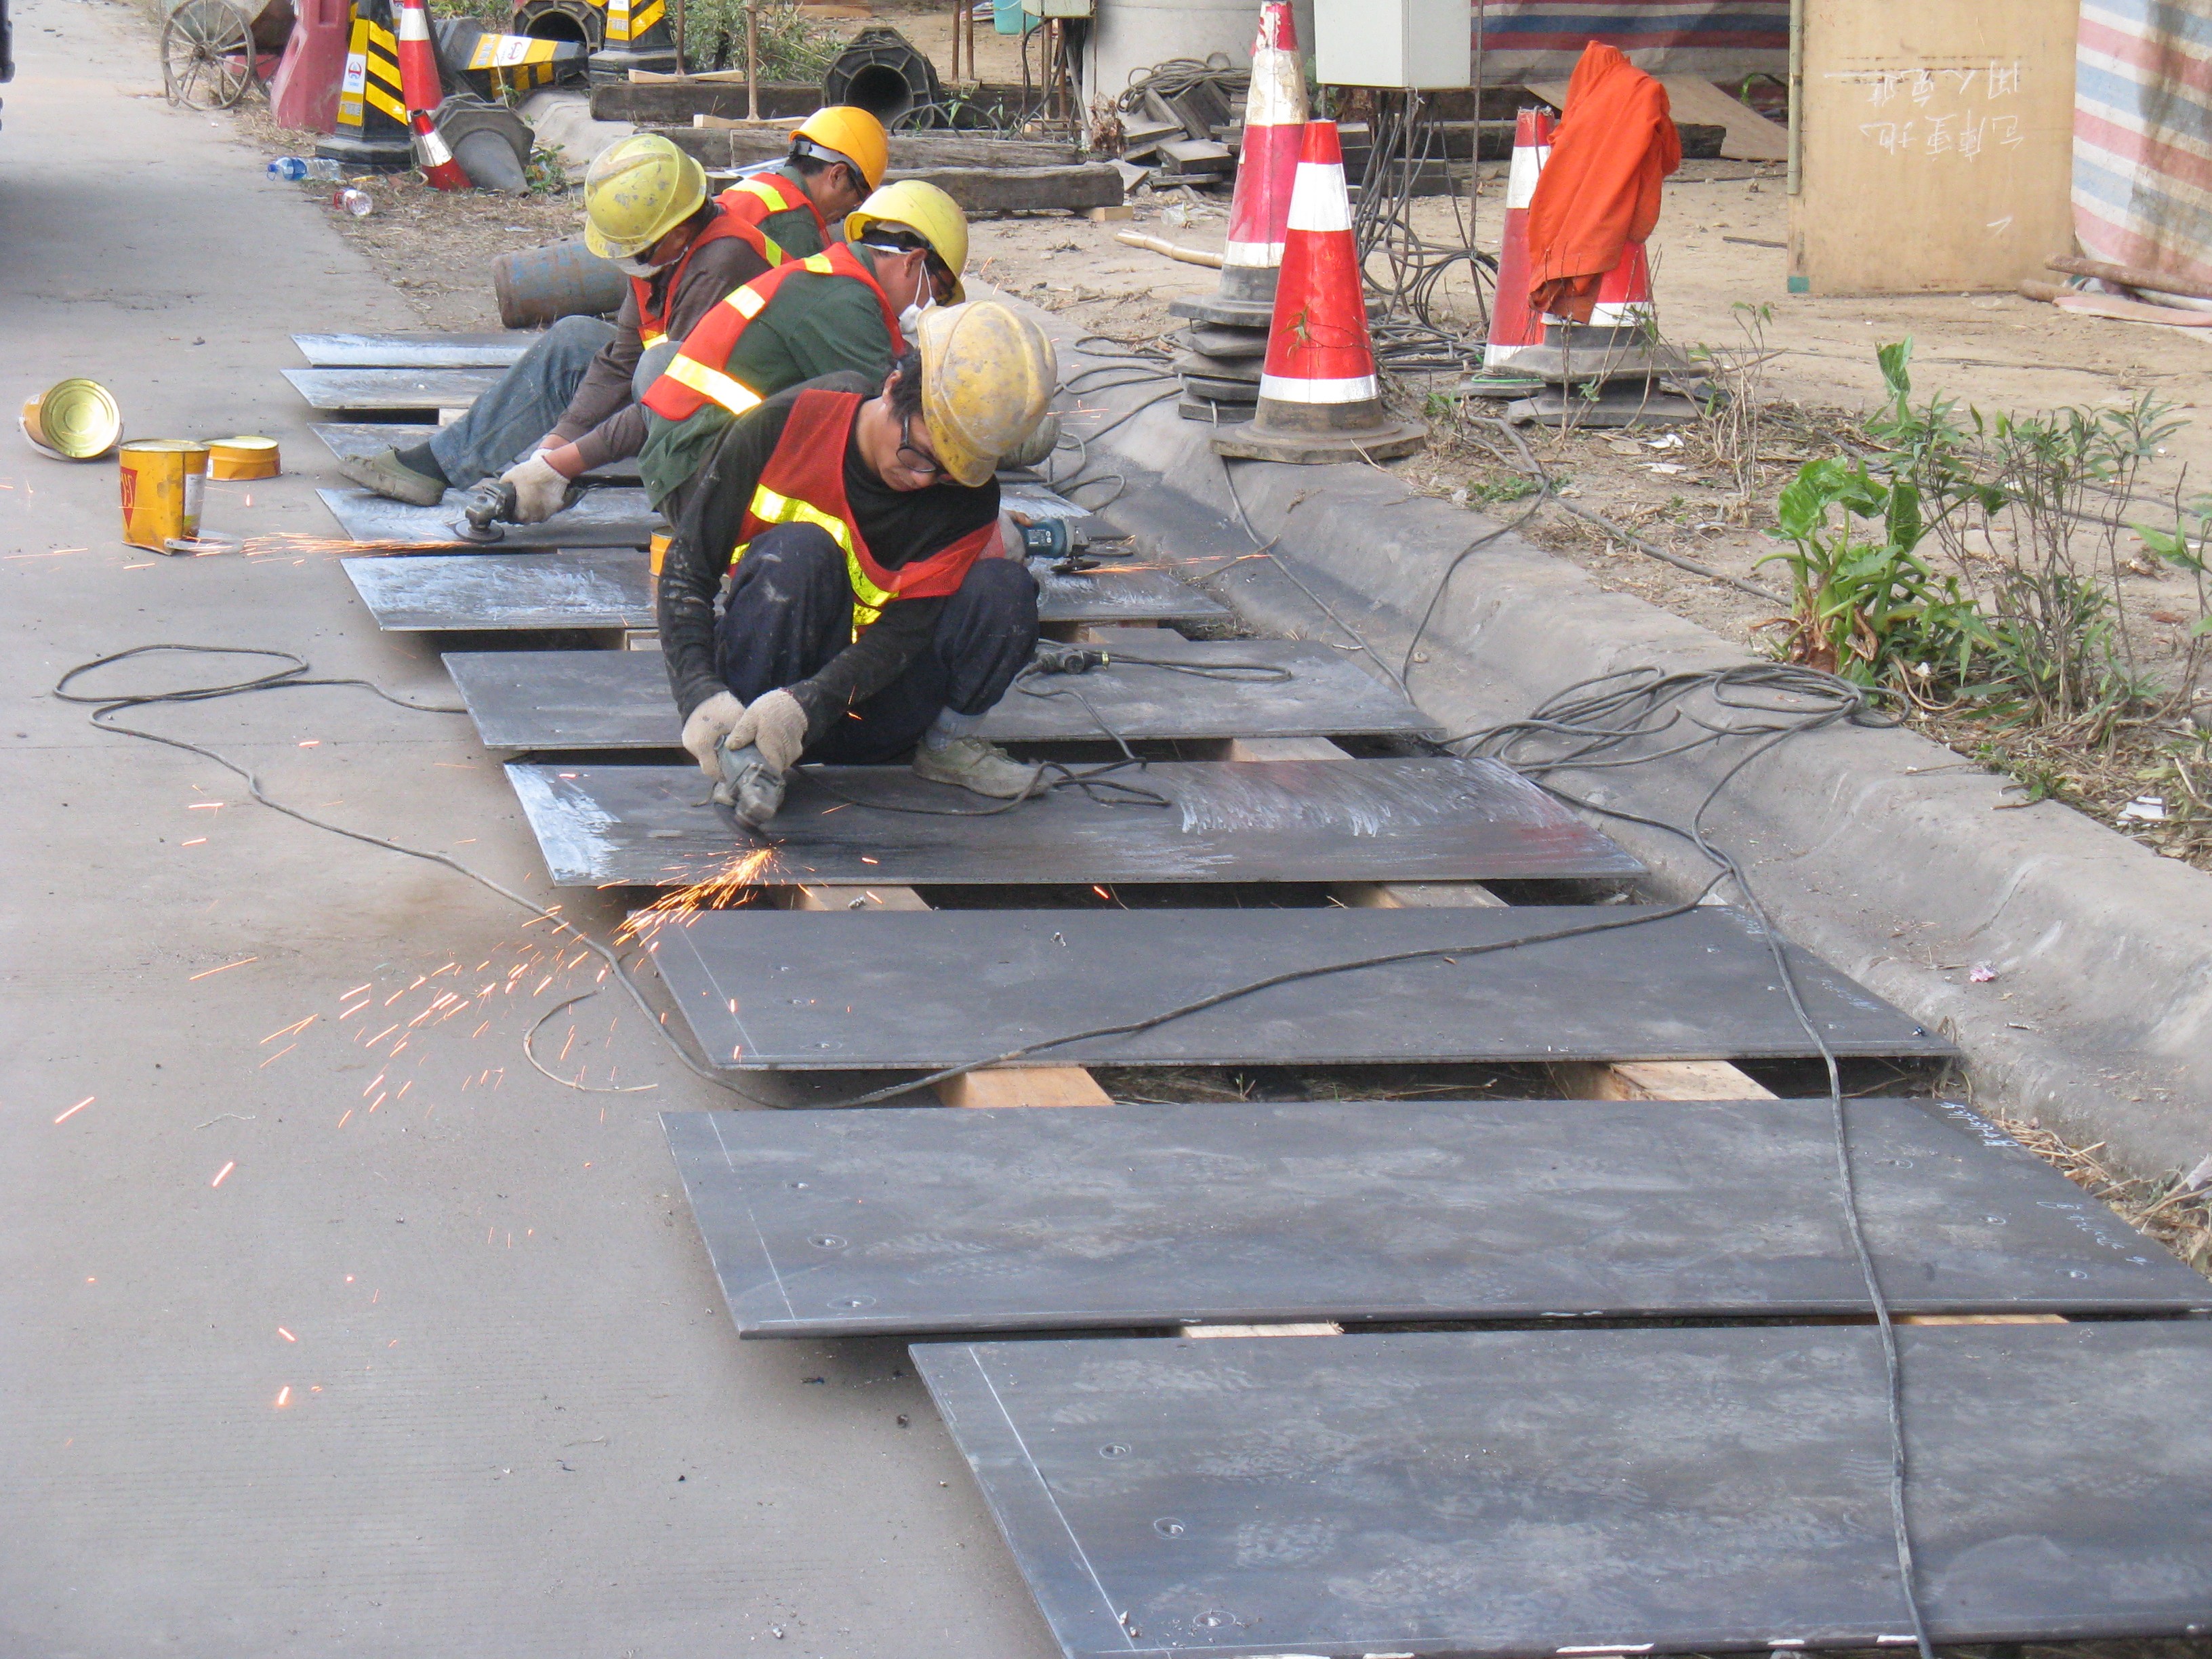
1019,1085
1309,1327
664,101
728,143
1934,145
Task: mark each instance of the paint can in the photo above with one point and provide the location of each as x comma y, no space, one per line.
231,459
73,420
163,480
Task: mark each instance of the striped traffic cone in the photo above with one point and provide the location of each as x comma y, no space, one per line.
435,156
1319,398
418,59
637,38
1513,325
372,133
1274,119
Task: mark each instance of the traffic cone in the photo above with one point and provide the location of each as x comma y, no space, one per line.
1319,398
1513,325
372,133
1274,119
434,156
637,38
418,59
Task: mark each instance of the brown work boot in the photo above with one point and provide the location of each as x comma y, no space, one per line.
385,474
984,768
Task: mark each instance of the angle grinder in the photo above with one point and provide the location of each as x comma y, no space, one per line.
751,791
489,504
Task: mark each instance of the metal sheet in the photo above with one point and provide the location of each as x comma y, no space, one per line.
392,388
921,1221
620,699
351,440
1111,594
592,587
1496,1492
496,350
1275,821
613,517
808,990
1035,500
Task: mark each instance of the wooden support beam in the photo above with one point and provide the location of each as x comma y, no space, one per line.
1979,1319
1313,1328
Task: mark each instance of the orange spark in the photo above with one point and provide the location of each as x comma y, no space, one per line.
283,1396
75,1109
286,1334
226,967
222,1172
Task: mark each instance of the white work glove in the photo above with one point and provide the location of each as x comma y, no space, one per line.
707,726
775,724
540,491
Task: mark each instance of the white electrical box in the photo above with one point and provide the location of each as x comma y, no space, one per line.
1416,44
1060,9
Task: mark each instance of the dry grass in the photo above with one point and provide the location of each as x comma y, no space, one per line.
2160,1206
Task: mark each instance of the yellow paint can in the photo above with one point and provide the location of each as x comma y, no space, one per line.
74,420
163,482
230,460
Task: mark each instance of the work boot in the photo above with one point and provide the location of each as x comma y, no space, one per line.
385,474
984,768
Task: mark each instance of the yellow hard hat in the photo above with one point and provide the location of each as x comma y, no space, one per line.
636,191
916,206
987,377
854,134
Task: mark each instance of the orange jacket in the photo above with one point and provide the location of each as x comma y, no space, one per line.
1600,189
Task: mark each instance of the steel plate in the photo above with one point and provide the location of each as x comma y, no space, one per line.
620,699
351,440
1394,820
392,388
923,1221
612,517
415,351
1592,1493
590,587
808,990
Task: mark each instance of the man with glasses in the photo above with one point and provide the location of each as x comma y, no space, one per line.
838,156
851,540
852,307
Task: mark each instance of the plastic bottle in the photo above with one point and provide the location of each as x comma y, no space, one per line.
292,168
355,202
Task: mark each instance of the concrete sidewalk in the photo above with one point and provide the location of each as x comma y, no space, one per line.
313,1345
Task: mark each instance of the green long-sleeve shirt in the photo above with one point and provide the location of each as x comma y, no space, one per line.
816,324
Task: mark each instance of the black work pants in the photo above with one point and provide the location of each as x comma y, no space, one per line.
789,612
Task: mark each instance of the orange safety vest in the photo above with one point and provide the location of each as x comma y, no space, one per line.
652,320
698,373
752,201
803,483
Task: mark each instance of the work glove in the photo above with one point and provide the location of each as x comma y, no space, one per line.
775,724
540,491
707,726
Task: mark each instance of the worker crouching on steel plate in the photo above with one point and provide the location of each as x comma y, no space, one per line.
850,529
570,403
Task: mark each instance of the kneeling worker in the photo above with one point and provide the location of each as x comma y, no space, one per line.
838,156
862,616
570,403
852,307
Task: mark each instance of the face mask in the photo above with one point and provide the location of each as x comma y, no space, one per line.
638,268
910,318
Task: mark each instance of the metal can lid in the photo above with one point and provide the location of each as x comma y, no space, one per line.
242,446
165,446
80,419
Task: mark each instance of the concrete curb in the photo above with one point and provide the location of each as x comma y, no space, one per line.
1875,848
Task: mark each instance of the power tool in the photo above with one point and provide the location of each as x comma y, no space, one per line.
490,502
751,791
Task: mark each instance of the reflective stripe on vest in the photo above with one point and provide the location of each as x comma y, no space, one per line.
753,201
803,483
699,373
652,320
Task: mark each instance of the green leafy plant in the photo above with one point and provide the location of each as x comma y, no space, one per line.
793,46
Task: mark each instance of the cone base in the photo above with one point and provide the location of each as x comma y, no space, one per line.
614,63
1213,414
1228,342
1226,313
1267,441
393,155
1624,403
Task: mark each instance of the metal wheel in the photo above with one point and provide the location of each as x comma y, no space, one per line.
207,55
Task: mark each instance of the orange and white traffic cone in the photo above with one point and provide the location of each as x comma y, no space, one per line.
1266,169
418,58
435,156
1514,325
1319,398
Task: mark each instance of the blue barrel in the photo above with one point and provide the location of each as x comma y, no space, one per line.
1006,16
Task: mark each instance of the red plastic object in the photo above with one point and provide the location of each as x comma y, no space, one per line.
305,91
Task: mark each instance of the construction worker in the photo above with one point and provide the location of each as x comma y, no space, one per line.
851,307
849,528
838,156
570,403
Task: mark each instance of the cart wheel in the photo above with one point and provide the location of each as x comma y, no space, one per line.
207,55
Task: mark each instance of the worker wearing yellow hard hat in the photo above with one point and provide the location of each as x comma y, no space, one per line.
570,403
838,156
849,527
853,307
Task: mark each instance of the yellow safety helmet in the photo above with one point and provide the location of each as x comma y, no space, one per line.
637,190
852,133
987,377
916,205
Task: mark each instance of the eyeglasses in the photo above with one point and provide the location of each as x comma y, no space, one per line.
914,460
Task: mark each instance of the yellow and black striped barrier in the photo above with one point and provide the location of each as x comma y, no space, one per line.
372,133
